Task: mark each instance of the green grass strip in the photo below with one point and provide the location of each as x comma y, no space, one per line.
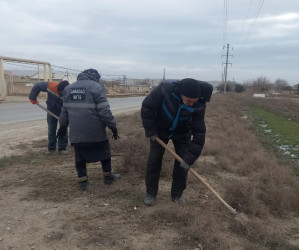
287,130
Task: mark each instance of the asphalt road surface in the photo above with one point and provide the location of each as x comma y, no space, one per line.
20,112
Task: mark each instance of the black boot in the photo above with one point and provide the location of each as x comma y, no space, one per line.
149,200
110,177
83,183
180,200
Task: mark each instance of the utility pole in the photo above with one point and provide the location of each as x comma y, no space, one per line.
226,63
2,82
164,74
124,82
67,75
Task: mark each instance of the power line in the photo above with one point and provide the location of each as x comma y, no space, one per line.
76,70
244,21
254,20
251,27
20,65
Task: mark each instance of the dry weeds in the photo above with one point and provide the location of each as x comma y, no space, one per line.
233,162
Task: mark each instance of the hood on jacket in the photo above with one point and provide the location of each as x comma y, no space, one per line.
89,74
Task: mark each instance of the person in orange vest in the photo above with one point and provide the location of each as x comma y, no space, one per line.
54,104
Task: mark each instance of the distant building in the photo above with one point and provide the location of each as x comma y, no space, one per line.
17,84
56,77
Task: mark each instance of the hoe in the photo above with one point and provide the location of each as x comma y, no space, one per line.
240,217
48,111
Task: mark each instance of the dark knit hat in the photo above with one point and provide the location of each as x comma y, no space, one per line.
190,88
62,85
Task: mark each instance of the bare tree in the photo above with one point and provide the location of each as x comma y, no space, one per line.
230,86
281,85
262,84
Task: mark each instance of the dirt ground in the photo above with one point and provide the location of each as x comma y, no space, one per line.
37,211
42,208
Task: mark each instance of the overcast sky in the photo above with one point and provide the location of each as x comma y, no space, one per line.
141,38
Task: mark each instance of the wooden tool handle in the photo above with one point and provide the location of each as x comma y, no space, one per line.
48,111
197,176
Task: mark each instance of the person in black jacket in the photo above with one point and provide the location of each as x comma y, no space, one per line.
174,110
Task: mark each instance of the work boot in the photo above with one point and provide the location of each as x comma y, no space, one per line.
109,177
50,151
63,152
180,200
149,200
83,183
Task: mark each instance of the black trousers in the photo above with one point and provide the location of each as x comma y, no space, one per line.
82,170
92,152
154,164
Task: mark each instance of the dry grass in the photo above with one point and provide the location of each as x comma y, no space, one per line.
268,185
258,186
234,163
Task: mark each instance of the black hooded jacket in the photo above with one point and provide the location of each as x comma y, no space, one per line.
164,114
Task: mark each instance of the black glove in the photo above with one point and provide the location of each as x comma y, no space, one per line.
61,132
185,166
153,138
115,134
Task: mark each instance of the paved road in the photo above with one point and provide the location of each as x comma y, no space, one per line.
20,112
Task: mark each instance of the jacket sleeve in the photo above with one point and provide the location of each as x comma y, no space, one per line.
149,111
198,130
102,105
37,88
64,118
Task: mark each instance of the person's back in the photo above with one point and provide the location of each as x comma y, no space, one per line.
87,112
81,100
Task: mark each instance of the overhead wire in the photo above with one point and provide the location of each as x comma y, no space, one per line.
255,19
225,17
245,38
20,65
244,21
75,70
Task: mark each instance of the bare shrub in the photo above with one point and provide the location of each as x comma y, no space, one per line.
278,189
244,197
242,153
134,147
134,155
263,235
193,227
211,148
